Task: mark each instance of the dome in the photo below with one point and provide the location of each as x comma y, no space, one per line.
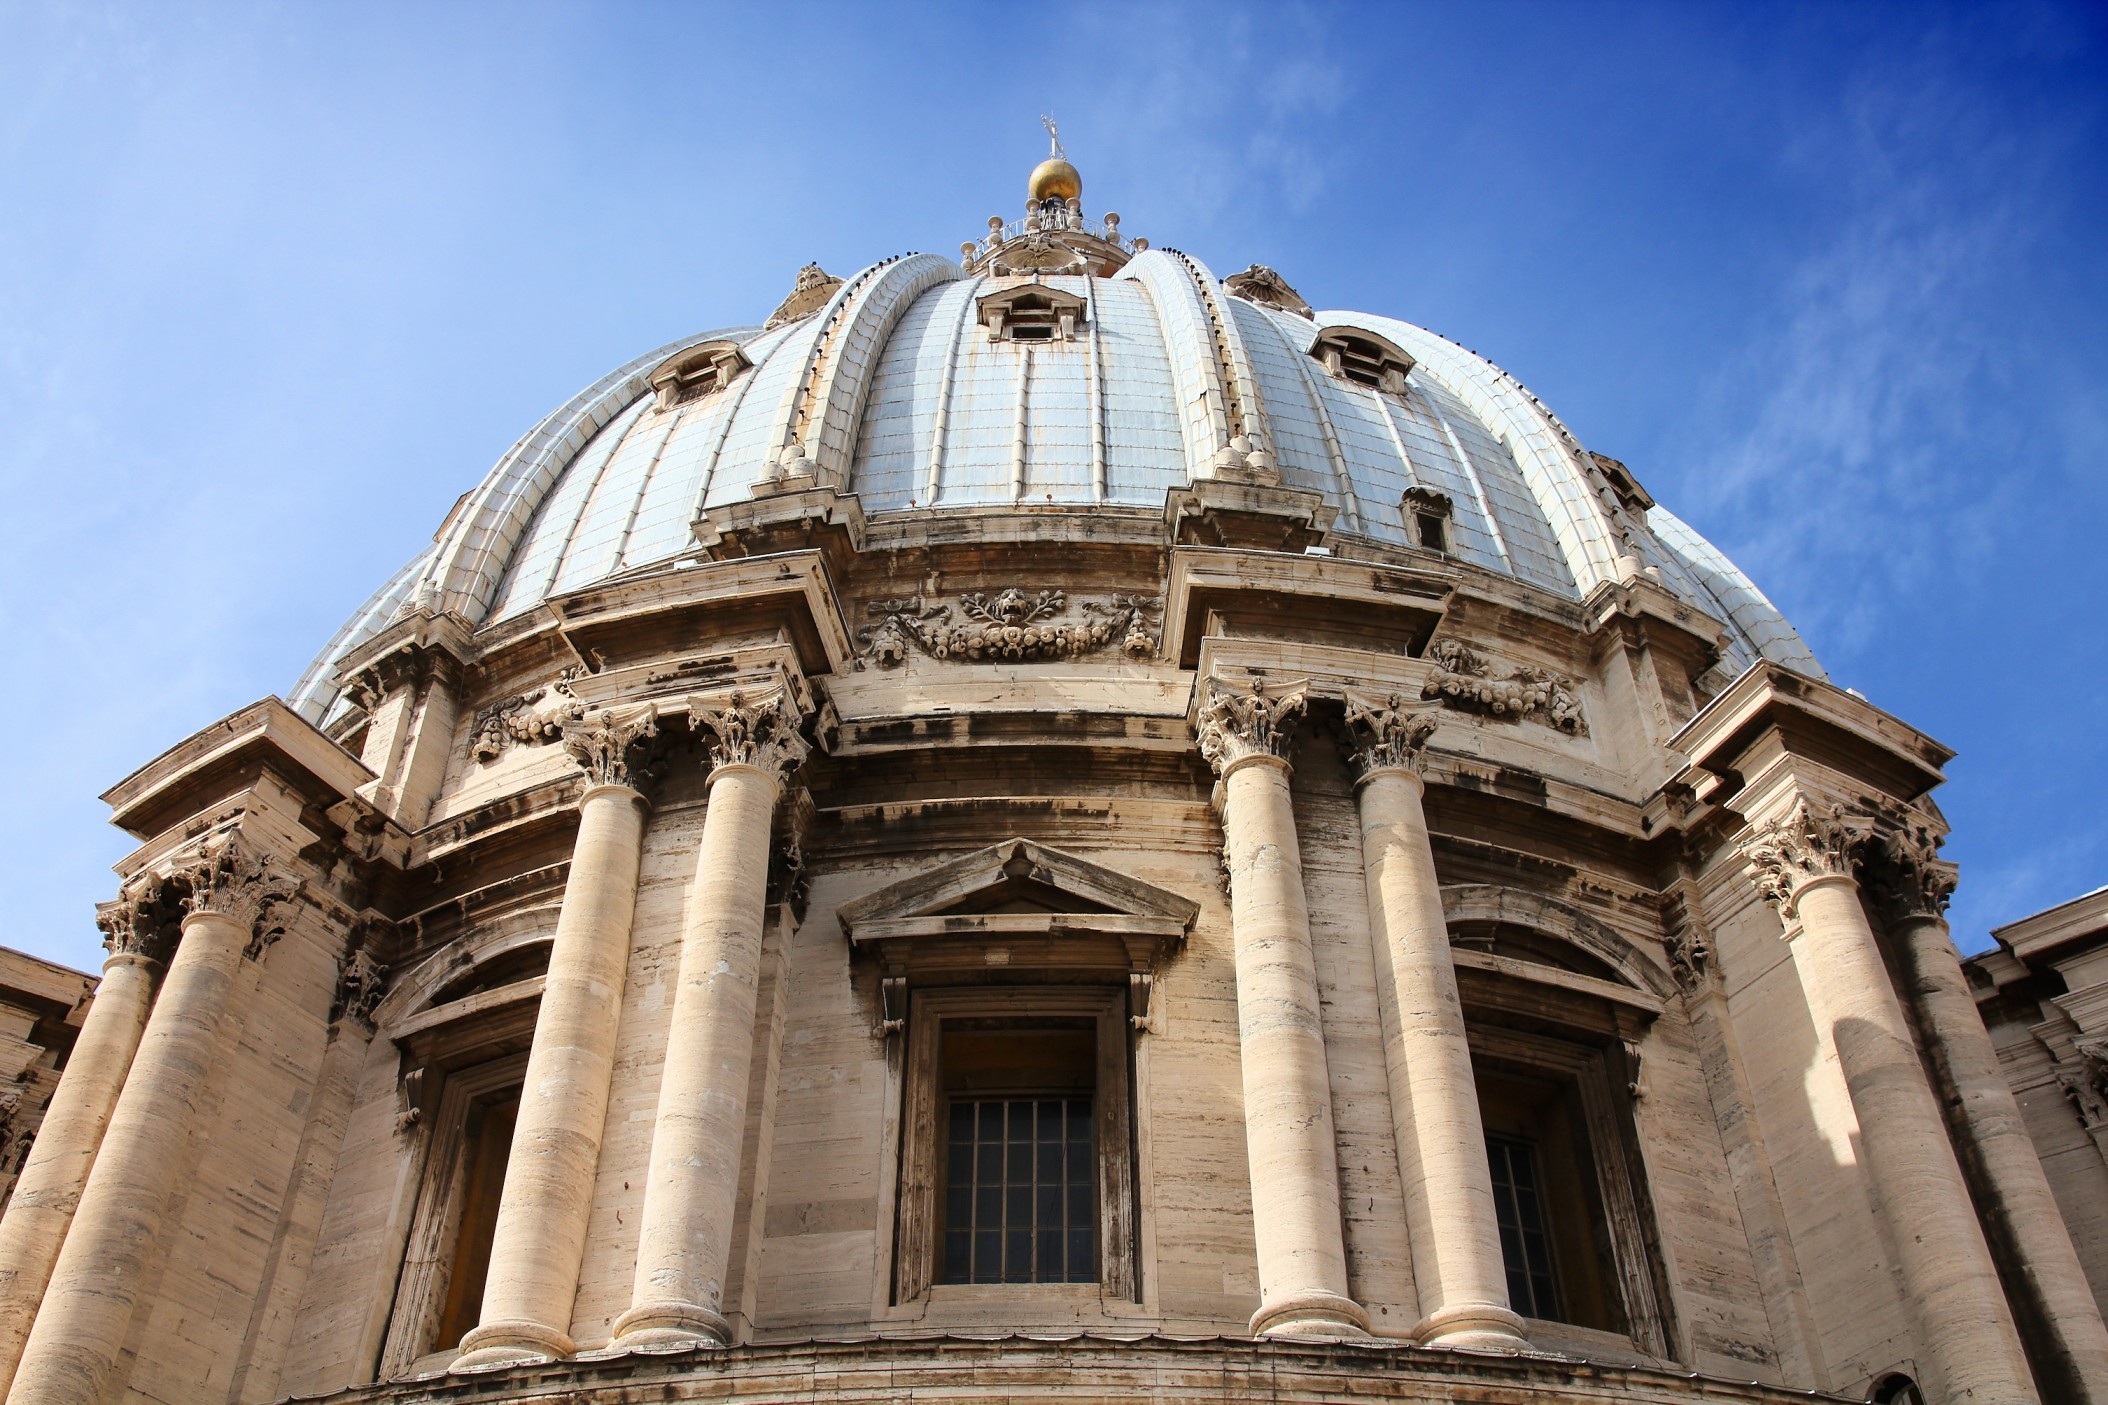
905,386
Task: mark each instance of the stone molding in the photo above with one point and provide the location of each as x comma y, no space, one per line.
1236,725
1464,680
600,743
1013,625
1383,735
765,732
1812,842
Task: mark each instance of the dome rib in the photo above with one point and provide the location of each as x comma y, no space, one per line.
463,574
1204,421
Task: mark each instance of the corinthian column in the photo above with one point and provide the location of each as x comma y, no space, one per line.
59,1160
1287,1090
1803,864
1457,1264
540,1238
1913,885
685,1238
72,1352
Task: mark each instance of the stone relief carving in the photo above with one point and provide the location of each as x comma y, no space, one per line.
750,733
2085,1081
361,982
133,924
788,881
1236,724
1465,682
1006,626
1262,285
516,720
1812,842
600,742
814,286
225,878
1382,734
1907,874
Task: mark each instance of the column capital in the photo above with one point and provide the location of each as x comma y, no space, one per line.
600,741
1811,843
361,982
135,924
1235,725
1905,871
763,731
228,878
1382,735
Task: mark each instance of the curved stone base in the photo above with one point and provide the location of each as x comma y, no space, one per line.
1091,1368
507,1343
659,1326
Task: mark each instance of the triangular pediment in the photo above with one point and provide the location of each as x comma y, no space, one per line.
1018,876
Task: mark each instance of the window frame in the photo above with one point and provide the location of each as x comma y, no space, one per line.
1557,1028
916,1239
457,1058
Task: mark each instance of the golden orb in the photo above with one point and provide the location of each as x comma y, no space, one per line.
1054,178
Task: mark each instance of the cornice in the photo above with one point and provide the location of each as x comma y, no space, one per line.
214,762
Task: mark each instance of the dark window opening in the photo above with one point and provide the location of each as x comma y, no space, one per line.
1555,1237
1897,1389
1434,532
1526,1248
1031,331
487,1146
1020,1194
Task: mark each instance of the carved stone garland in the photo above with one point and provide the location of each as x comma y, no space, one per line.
1234,725
516,720
1382,734
1008,626
1810,843
1465,682
600,743
743,733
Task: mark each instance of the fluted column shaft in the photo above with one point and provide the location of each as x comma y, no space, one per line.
72,1351
1947,1270
539,1241
1287,1089
52,1179
685,1240
2047,1258
1457,1263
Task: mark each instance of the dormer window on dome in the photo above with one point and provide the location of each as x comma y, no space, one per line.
1427,515
1363,358
1030,312
697,372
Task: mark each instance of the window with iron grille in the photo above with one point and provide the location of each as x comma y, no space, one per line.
1525,1246
1021,1192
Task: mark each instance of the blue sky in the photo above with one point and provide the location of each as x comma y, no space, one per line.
278,283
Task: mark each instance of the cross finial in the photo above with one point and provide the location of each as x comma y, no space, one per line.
1053,138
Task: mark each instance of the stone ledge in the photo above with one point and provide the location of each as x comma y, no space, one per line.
1079,1368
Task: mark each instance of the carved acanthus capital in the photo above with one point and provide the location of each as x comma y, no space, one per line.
1908,875
600,743
136,923
745,731
1811,843
1382,734
2085,1081
227,879
361,982
1238,723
